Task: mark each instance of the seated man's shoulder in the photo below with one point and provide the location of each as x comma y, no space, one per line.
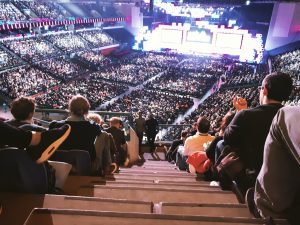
56,123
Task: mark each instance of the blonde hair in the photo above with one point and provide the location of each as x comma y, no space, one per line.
115,121
79,105
95,117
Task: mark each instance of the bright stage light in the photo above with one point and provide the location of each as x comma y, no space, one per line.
213,40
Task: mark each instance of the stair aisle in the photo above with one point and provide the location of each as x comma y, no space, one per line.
153,193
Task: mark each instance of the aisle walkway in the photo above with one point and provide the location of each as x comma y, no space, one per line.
152,193
131,88
197,102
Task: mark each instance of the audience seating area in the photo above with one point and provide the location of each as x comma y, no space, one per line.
54,63
168,80
152,193
25,10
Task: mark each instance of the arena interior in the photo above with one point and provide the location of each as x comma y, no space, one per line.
163,70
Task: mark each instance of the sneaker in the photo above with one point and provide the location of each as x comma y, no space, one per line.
251,204
214,184
50,141
111,169
126,163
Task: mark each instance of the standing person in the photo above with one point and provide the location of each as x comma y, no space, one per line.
277,188
151,128
249,128
140,123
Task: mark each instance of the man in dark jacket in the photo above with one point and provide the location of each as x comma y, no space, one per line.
151,129
277,189
249,128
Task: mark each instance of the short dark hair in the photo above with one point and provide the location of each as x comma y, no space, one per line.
203,124
22,107
184,133
226,120
279,86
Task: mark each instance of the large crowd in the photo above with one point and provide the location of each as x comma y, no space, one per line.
49,10
241,74
25,81
165,106
7,60
152,59
174,76
97,91
9,12
68,42
61,68
211,65
195,84
95,58
137,67
22,10
96,37
288,62
236,115
32,49
128,73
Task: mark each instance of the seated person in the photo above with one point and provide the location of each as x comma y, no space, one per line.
104,141
23,109
249,128
119,140
84,132
277,188
171,153
39,145
214,149
194,143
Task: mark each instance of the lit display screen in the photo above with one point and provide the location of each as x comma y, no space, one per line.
226,40
199,36
215,40
171,36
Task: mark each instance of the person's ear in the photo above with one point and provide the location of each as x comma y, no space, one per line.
30,115
265,90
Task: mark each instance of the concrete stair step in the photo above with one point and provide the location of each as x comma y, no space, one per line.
159,194
221,209
76,217
22,204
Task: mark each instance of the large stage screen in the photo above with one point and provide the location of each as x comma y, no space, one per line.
171,36
203,36
185,39
227,40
